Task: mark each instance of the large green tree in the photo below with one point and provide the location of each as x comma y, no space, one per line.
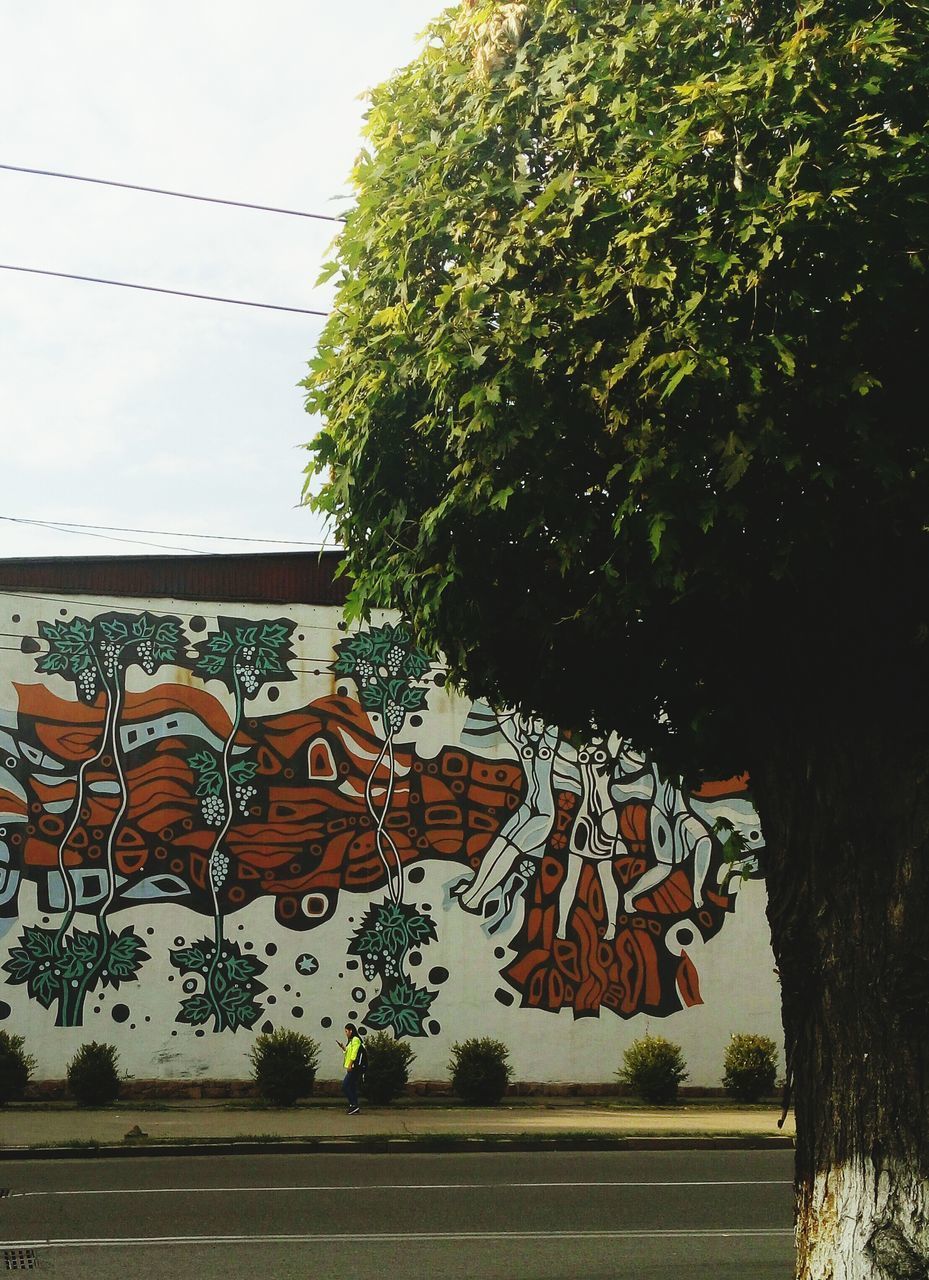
623,405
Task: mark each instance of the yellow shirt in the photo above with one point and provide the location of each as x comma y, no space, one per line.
351,1052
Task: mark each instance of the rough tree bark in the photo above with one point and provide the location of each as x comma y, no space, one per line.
846,820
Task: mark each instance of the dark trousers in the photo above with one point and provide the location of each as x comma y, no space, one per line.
350,1087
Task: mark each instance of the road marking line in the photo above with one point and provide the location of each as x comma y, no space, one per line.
398,1186
725,1233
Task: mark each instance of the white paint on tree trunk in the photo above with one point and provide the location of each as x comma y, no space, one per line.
864,1222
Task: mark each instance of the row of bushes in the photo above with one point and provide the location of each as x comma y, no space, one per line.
284,1068
93,1072
653,1068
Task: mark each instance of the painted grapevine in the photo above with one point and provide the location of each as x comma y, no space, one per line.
383,941
245,656
61,967
387,667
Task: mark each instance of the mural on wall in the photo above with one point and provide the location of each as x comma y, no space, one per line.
597,880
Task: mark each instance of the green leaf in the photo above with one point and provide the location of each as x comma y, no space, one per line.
20,964
195,1011
84,946
192,959
46,987
143,628
41,944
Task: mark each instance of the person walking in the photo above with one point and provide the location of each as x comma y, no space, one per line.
352,1048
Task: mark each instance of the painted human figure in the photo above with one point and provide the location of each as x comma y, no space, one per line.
676,835
588,772
527,830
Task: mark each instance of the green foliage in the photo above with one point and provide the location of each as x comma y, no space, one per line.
750,1067
479,1070
653,1067
87,652
62,970
230,984
388,1067
246,655
93,1075
15,1067
384,662
284,1066
387,932
402,1005
623,364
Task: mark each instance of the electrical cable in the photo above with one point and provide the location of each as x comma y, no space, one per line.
150,288
72,525
86,533
180,195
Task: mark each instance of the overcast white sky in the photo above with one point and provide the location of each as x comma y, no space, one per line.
134,409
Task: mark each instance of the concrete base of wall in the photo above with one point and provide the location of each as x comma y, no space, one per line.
197,1090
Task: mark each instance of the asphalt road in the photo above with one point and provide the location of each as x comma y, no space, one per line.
646,1215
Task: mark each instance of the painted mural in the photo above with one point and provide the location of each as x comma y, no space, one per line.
136,771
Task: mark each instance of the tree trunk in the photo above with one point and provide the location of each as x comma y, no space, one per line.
846,823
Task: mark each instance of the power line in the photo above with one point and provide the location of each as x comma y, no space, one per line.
67,526
150,288
180,195
137,542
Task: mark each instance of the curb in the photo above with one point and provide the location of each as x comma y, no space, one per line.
373,1145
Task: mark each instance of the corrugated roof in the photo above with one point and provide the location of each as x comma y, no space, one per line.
267,578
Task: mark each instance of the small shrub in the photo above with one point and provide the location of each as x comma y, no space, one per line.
653,1068
480,1071
388,1067
15,1067
284,1066
93,1075
750,1067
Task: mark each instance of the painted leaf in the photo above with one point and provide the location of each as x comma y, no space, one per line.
241,968
40,943
45,987
19,965
195,1010
193,959
421,929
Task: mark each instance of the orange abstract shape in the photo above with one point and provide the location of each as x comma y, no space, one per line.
130,864
633,826
167,698
37,702
688,983
673,896
737,785
68,744
39,853
65,790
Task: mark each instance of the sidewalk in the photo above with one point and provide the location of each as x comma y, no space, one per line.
149,1128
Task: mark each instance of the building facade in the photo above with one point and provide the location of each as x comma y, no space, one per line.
223,812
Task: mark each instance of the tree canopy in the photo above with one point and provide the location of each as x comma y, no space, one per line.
622,395
622,405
